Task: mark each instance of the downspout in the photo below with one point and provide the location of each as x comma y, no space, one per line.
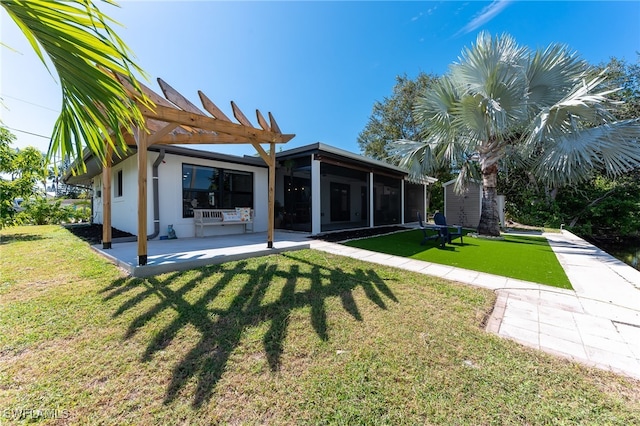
156,196
156,205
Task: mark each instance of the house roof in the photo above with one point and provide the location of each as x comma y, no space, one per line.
452,181
211,155
94,167
325,151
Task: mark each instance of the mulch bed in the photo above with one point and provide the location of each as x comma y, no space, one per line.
92,233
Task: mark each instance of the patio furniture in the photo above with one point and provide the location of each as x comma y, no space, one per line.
446,233
221,217
438,232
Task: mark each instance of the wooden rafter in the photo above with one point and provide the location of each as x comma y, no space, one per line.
197,121
176,108
212,108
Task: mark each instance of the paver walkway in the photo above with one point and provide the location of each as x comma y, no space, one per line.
598,323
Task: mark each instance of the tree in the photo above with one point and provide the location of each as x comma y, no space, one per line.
626,78
20,173
84,50
503,102
392,119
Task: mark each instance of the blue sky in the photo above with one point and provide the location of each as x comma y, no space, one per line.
317,66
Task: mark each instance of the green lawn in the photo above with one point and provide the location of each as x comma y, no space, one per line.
298,338
523,257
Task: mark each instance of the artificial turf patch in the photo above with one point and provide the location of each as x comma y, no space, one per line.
522,257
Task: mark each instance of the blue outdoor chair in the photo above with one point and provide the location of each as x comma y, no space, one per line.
445,232
427,237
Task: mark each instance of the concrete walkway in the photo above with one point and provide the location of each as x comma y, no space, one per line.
597,324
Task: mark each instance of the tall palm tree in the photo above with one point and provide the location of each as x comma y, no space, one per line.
503,101
77,39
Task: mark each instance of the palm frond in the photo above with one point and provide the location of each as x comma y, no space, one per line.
469,171
85,52
491,78
612,147
552,73
437,107
579,109
418,158
490,62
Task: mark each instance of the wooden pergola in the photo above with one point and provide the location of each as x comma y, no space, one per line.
175,120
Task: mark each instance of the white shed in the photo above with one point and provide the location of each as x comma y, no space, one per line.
464,209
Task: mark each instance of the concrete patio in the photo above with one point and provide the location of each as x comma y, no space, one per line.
188,253
597,323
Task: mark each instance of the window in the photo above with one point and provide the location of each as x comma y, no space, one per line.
214,188
119,183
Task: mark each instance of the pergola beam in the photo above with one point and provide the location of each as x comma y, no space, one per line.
176,97
172,115
160,134
262,122
212,108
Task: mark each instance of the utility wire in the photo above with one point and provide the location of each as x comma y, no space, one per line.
28,133
27,102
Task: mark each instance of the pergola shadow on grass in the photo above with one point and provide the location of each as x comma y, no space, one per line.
524,257
222,323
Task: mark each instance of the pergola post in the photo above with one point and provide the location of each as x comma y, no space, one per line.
106,199
272,190
141,141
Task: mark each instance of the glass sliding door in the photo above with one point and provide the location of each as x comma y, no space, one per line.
386,200
344,198
413,202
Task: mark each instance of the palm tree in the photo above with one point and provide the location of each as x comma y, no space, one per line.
77,39
503,102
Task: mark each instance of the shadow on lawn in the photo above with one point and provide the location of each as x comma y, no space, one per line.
19,237
222,329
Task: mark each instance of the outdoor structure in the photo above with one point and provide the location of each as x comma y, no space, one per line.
175,120
464,209
318,188
322,188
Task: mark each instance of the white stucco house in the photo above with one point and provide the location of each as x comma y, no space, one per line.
319,188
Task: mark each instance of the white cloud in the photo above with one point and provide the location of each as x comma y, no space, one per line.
485,15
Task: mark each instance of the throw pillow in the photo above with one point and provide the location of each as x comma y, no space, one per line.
230,217
244,213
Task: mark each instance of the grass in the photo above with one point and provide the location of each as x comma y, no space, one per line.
523,257
298,338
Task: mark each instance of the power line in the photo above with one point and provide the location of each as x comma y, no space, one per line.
28,133
30,103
